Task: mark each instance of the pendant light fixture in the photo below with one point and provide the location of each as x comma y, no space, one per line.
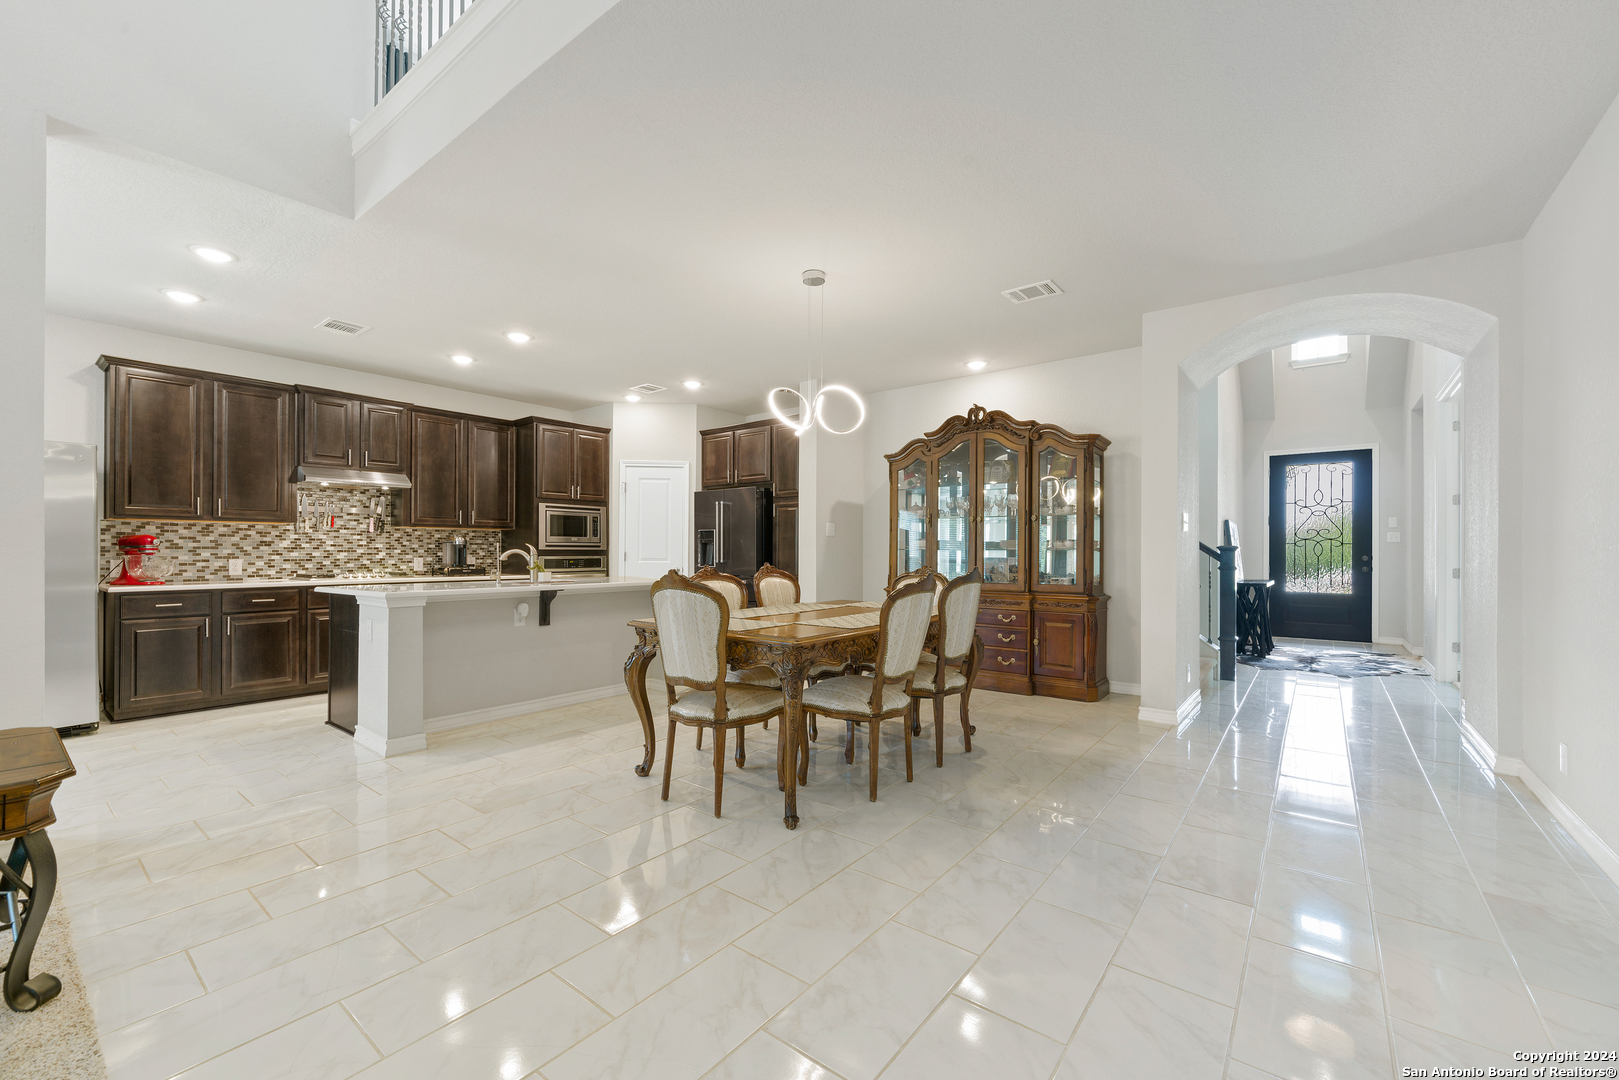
812,413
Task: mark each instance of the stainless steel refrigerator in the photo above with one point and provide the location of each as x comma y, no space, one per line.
734,532
72,698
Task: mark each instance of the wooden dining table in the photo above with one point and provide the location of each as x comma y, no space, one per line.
789,640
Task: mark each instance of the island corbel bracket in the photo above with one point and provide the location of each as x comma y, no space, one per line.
545,606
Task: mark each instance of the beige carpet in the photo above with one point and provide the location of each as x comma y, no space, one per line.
58,1040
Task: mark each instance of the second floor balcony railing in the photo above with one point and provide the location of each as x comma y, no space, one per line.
406,29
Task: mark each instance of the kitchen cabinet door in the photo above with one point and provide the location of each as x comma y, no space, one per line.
784,542
491,478
262,653
317,647
165,664
329,429
253,453
554,472
384,437
437,470
590,466
784,461
753,456
158,445
718,455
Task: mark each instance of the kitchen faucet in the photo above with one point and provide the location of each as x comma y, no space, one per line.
531,556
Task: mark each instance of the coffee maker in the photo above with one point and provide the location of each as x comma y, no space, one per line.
455,554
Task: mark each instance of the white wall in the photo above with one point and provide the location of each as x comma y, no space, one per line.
1570,558
1323,408
1229,497
1085,394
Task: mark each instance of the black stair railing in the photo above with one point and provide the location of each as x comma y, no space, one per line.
1218,586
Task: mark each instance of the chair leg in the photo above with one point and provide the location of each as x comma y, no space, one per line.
871,755
848,742
741,747
719,767
699,738
966,728
669,759
938,730
813,734
908,775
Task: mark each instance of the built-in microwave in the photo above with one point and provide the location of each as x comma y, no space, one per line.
571,526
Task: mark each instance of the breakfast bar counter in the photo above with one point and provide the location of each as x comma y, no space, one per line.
407,658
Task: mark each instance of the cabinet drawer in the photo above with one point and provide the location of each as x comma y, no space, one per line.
1009,661
996,617
316,601
158,605
244,600
996,637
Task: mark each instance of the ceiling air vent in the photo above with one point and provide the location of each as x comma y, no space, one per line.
338,326
647,388
1039,290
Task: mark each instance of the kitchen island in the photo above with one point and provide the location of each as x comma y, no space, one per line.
409,658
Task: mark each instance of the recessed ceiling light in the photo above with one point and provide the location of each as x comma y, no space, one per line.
462,358
977,365
212,254
691,384
517,337
180,296
632,397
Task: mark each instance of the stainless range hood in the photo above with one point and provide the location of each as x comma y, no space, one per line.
350,478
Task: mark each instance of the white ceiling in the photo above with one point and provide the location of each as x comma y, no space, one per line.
645,202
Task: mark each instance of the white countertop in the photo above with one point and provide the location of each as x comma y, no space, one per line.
286,583
413,593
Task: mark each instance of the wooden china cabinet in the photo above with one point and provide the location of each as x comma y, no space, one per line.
1022,502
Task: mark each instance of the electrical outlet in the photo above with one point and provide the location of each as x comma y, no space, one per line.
1394,538
1188,672
1186,523
234,568
418,563
520,615
1562,758
831,529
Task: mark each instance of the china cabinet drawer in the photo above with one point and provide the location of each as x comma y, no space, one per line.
1006,661
995,617
996,637
159,605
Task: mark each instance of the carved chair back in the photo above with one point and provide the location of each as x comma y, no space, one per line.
906,616
733,588
774,586
910,577
692,619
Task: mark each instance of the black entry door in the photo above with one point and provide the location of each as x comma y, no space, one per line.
1321,545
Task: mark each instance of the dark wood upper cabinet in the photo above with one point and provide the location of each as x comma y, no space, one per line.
753,456
384,437
784,461
330,429
590,465
437,470
554,462
158,428
491,474
253,452
718,454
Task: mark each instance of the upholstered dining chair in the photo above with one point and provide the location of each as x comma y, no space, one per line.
735,591
775,586
960,652
884,694
921,573
692,620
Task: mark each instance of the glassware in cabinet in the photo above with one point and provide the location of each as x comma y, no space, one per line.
911,516
1057,541
954,508
1001,538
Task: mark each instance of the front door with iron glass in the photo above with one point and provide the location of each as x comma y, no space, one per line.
1002,514
1058,545
910,517
1321,545
953,505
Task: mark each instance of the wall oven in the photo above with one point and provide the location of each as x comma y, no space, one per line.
571,526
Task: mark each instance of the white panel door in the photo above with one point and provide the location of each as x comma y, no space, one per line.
657,518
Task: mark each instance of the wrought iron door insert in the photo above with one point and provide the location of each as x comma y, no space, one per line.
1320,545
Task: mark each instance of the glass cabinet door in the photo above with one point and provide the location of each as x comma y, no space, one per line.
911,517
1058,545
953,505
1002,534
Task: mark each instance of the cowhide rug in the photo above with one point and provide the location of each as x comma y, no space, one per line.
1344,663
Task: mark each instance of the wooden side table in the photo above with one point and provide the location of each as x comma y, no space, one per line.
33,764
1253,618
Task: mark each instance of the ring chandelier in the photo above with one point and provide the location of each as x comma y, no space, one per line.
814,412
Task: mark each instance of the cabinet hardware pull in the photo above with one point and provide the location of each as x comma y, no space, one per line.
175,604
227,626
266,600
365,458
219,508
1005,660
1007,637
348,457
1006,618
199,506
206,623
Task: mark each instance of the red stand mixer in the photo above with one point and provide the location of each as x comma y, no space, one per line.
142,564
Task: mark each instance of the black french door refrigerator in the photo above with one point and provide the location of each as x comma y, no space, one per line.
734,534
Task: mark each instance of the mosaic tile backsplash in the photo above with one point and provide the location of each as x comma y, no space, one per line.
270,551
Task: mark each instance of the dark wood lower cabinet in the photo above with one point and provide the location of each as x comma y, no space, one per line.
784,544
343,691
170,652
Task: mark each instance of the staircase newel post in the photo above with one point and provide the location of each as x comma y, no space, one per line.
1228,612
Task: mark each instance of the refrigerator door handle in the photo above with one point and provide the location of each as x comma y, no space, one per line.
719,535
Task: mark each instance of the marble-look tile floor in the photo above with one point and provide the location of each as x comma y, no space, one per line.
1312,879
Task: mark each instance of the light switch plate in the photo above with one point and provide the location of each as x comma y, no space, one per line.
234,568
1394,538
831,529
419,563
1186,523
1394,523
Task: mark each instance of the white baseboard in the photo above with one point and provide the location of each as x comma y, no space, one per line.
520,708
1479,745
1414,650
1131,688
1594,846
1427,665
1164,718
383,746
